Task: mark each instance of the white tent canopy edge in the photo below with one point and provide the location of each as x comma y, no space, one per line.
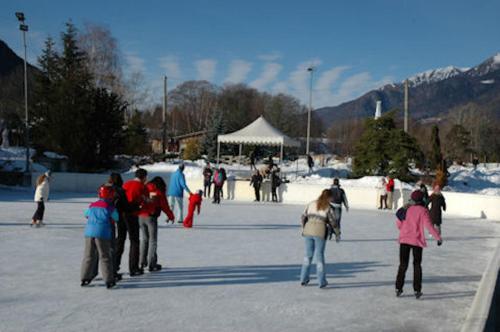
259,132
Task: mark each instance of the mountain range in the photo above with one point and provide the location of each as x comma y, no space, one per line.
432,94
12,81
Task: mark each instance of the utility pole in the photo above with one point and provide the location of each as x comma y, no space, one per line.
164,116
406,107
310,70
24,28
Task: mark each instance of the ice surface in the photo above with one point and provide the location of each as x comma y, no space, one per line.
236,270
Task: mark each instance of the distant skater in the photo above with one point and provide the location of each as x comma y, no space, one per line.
318,224
382,194
310,163
41,196
390,192
252,161
176,189
338,198
194,204
437,203
412,238
207,180
256,181
275,183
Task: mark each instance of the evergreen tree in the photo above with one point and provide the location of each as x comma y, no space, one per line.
215,127
71,116
136,137
383,149
458,141
436,157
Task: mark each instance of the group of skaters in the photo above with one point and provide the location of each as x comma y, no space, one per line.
270,172
321,220
215,176
132,208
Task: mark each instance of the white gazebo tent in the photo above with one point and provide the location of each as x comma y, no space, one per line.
259,132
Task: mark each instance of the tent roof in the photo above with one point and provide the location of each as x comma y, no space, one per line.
259,132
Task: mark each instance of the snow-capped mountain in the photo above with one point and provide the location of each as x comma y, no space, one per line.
435,75
433,93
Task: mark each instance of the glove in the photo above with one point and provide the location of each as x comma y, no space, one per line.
440,242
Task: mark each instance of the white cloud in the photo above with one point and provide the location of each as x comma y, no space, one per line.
135,64
171,66
269,74
206,69
351,88
299,78
280,87
238,71
270,57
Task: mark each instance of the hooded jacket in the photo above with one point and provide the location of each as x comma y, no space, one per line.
411,230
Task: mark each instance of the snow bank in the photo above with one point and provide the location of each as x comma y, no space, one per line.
484,180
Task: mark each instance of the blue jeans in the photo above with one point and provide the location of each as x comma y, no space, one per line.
177,203
315,246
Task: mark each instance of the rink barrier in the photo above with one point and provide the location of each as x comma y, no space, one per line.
481,305
458,204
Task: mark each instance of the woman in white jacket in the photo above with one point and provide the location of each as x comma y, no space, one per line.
41,196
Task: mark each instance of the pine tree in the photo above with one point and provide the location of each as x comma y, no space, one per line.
71,116
436,156
458,142
215,127
136,137
383,149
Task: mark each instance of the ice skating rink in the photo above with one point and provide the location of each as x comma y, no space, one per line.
236,270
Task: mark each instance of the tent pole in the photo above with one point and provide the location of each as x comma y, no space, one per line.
239,159
218,151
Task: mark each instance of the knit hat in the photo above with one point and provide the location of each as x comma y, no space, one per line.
417,196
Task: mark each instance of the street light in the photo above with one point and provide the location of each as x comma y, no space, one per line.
24,28
310,70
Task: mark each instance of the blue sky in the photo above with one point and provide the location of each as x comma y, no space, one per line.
354,45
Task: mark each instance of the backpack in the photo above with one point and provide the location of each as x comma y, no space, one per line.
337,195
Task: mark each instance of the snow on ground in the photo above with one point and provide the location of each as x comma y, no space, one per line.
13,159
237,270
483,180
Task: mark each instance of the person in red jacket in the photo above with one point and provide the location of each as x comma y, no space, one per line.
148,223
194,203
389,186
412,238
137,194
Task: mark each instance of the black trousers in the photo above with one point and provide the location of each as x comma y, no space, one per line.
274,196
257,193
206,187
217,193
130,226
404,259
40,209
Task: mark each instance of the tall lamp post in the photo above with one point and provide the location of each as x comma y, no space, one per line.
24,28
310,70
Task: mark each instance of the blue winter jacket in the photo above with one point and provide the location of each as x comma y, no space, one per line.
100,215
177,184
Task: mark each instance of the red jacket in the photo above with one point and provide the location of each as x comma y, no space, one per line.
156,203
411,230
136,193
390,185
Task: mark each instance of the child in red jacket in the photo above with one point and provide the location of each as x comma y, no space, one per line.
194,203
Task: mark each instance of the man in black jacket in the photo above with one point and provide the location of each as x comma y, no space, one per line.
338,198
256,181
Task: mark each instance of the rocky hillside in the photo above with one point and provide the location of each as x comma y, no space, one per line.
433,94
12,82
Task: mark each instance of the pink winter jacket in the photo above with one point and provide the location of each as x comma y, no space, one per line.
411,230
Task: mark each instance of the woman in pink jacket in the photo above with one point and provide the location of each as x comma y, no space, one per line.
412,238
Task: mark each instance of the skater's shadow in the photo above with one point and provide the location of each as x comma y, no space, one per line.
246,226
241,275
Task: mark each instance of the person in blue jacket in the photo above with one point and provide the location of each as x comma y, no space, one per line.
175,193
98,235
